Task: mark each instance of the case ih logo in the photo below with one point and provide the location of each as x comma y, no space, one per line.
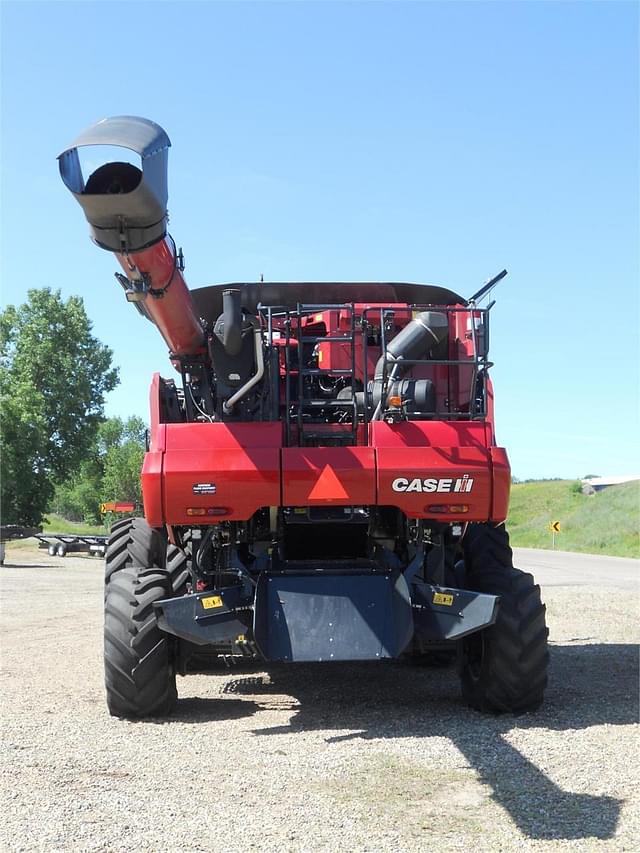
443,484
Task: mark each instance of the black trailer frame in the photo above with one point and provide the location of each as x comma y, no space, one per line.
61,544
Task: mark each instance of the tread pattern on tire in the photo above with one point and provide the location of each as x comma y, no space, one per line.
177,564
512,674
140,569
138,674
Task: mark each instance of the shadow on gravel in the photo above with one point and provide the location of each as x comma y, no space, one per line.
196,710
590,685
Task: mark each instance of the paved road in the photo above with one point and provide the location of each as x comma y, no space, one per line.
562,568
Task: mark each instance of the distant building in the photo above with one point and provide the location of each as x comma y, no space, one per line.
597,484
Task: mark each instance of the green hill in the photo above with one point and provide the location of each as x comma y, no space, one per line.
605,523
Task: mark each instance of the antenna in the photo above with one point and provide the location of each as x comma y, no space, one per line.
487,286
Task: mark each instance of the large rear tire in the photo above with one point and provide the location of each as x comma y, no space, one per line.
504,667
138,657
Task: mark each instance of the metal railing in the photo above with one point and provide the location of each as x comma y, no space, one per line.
299,408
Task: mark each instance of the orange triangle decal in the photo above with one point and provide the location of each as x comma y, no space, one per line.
328,487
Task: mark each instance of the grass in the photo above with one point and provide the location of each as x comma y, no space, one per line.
57,524
405,794
605,523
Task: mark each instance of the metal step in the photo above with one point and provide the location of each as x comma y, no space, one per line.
325,371
317,403
320,339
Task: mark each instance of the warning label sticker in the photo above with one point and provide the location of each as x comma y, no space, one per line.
443,598
212,601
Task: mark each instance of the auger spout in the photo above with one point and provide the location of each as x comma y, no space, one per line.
126,208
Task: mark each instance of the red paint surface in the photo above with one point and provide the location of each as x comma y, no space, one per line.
244,481
223,436
173,313
428,434
241,460
152,482
501,483
436,463
336,476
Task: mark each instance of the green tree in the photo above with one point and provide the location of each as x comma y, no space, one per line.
109,472
123,463
25,487
53,377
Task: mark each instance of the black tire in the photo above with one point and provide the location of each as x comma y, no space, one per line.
139,672
178,565
504,667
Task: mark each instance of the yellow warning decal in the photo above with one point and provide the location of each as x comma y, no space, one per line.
443,598
211,602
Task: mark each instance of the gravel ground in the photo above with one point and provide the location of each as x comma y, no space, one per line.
367,757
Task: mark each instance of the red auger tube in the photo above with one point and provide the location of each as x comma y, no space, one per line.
126,208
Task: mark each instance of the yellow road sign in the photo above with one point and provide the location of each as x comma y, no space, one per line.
554,527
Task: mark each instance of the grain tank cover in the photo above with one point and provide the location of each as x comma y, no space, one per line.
288,294
125,206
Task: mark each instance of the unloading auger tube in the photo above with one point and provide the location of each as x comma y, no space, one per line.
126,208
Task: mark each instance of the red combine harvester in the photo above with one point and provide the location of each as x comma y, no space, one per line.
323,485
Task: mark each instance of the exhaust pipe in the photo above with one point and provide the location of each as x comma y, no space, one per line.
228,327
126,208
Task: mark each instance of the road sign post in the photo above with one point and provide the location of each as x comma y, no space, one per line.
554,527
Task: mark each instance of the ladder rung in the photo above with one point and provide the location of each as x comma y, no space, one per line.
310,307
320,339
321,404
325,371
336,438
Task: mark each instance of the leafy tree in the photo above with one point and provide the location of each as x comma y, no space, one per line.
110,472
53,377
78,498
123,463
25,486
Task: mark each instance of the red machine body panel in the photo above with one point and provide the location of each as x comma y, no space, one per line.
223,436
228,470
428,434
448,483
152,488
440,469
501,483
331,476
450,477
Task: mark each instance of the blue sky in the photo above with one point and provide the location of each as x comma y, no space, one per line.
435,142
